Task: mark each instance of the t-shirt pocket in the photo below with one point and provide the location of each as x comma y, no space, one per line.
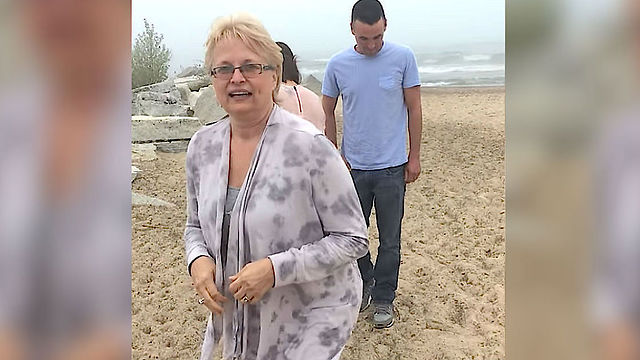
389,82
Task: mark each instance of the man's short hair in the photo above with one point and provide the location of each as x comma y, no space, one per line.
367,11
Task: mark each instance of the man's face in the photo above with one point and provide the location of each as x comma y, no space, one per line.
368,37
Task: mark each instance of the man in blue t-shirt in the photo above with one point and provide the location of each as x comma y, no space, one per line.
380,89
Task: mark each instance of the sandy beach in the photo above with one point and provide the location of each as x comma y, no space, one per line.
450,300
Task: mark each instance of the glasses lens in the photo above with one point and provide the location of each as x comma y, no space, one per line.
251,69
223,71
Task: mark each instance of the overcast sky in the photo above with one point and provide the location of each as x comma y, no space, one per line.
317,29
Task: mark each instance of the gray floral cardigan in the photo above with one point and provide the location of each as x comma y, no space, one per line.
297,206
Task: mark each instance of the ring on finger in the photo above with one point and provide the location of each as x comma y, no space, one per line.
245,299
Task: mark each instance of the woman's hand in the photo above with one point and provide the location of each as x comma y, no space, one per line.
253,281
203,274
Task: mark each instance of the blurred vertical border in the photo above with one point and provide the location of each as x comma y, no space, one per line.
65,192
572,78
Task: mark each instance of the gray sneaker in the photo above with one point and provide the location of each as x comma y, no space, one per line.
366,296
383,315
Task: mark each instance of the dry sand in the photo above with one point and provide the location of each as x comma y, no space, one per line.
450,299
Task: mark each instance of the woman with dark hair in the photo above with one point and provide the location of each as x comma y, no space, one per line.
290,71
294,97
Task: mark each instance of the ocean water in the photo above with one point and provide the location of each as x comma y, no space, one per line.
441,69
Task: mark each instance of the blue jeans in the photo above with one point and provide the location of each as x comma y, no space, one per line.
385,188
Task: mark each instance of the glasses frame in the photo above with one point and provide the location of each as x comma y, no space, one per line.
263,67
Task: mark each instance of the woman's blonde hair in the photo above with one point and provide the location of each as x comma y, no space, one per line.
252,33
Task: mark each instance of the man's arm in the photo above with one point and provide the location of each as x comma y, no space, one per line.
329,107
414,107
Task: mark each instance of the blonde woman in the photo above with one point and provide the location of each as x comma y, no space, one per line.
274,224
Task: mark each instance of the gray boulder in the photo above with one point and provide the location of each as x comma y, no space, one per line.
185,93
194,83
143,152
207,108
157,108
178,97
153,103
141,200
192,71
193,98
173,146
175,94
166,98
313,84
162,87
147,129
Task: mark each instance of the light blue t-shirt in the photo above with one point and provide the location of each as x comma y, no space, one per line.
373,107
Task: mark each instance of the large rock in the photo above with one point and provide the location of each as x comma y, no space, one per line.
313,84
166,102
192,71
193,98
146,129
162,87
172,97
141,199
185,92
207,108
166,98
195,95
157,109
173,146
175,94
143,152
194,83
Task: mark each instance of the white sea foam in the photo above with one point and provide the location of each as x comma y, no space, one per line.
441,69
477,57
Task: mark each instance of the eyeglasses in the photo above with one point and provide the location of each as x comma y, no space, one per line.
225,72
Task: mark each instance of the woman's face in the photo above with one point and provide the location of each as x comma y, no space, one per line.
242,95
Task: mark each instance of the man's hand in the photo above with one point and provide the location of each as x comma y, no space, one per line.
203,273
414,106
253,281
412,169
